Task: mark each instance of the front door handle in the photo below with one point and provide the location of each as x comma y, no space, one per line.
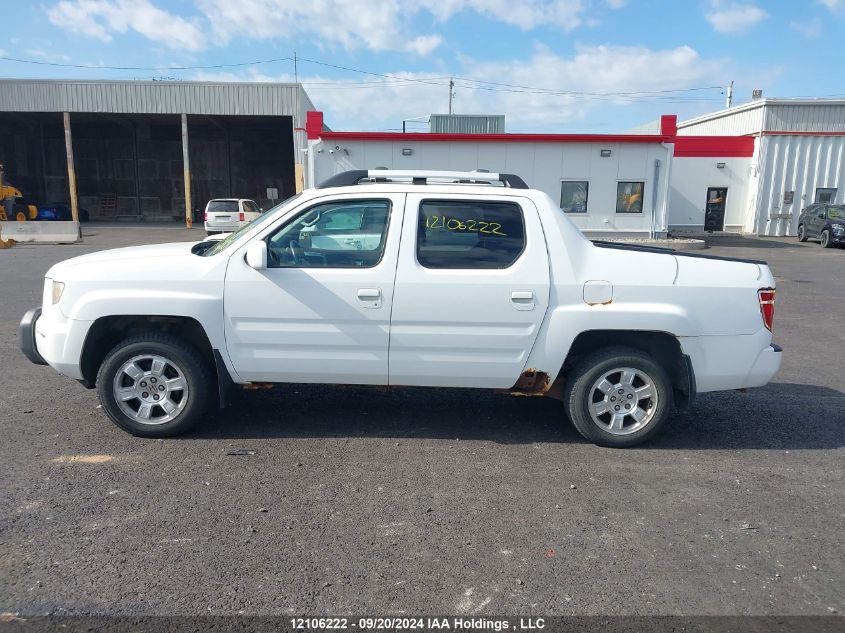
522,299
369,297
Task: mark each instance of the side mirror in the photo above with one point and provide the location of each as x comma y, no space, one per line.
256,255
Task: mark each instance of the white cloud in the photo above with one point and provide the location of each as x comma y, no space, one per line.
523,14
102,18
833,5
351,104
810,29
617,4
733,17
339,22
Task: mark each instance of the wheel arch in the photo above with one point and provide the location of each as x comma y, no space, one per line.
663,347
108,331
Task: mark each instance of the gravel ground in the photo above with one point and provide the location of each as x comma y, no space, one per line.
353,500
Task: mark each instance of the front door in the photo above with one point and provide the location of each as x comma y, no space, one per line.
472,290
714,212
817,220
320,311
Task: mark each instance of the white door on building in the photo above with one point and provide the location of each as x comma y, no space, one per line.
320,311
472,290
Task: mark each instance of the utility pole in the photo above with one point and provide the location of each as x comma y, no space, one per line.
451,86
729,95
295,72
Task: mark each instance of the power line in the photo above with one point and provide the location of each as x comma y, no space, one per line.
673,95
99,67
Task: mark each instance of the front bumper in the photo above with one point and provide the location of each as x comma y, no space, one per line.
26,333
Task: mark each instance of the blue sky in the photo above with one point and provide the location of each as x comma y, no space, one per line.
549,66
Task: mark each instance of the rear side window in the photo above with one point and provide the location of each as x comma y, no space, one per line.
223,205
469,234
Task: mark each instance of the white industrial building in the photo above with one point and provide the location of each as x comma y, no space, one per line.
798,159
746,169
620,184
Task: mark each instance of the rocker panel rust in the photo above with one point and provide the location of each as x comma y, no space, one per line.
532,382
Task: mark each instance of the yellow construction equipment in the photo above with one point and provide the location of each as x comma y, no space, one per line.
13,206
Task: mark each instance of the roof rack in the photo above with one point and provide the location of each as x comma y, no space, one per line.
355,176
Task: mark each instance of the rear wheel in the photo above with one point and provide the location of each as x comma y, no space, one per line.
618,397
825,239
154,385
802,234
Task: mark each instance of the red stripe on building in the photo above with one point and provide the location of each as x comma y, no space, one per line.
494,138
714,146
685,146
776,133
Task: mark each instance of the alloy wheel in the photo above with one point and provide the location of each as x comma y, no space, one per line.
623,400
150,389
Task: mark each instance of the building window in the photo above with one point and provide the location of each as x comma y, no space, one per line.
343,234
573,196
469,234
629,197
825,195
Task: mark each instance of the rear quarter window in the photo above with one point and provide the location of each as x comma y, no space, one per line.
469,234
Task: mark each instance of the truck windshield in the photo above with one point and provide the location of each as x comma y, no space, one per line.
261,219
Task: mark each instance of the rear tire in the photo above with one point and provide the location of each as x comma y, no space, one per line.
618,397
154,385
802,234
825,239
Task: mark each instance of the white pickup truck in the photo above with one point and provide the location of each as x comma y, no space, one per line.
439,279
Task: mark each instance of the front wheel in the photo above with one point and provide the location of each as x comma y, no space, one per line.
154,385
618,397
802,234
825,239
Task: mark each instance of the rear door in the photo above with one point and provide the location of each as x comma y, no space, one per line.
223,214
472,290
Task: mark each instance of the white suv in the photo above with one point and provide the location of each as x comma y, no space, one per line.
224,215
440,279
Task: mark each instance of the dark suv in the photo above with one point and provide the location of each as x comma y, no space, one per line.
823,222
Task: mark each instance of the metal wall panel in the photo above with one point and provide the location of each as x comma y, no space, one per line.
155,97
800,164
739,123
805,118
467,124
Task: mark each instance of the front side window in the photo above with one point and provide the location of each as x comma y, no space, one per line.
573,196
343,234
629,197
469,234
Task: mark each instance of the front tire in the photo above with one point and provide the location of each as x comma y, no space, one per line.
618,397
154,385
802,234
825,239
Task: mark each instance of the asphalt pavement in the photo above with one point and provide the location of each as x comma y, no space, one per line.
340,500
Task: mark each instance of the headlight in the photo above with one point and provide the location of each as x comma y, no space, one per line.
58,289
838,229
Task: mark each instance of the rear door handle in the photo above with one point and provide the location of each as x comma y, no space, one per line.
522,299
369,297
